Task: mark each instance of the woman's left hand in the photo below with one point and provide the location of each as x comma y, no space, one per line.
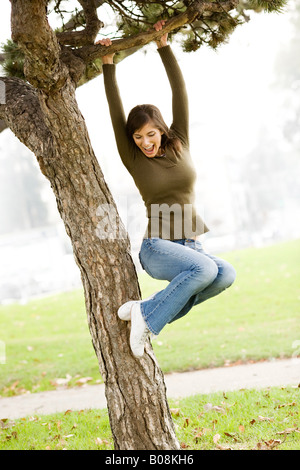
163,41
106,58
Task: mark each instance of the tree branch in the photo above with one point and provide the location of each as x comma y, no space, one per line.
78,18
198,8
22,113
94,69
93,24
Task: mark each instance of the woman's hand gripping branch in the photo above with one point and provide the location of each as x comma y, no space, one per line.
163,40
109,58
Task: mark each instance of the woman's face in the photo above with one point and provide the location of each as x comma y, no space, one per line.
148,139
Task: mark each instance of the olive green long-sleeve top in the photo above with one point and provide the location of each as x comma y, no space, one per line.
166,183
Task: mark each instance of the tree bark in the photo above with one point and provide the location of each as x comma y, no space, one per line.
44,115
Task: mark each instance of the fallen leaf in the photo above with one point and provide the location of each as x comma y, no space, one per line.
218,446
33,418
99,441
264,418
241,428
84,380
269,445
5,424
289,431
286,404
210,407
183,445
216,438
273,443
197,437
214,422
175,411
61,381
186,422
233,436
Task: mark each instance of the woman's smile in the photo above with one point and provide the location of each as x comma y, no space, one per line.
149,150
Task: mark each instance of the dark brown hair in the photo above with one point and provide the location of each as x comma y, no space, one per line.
144,113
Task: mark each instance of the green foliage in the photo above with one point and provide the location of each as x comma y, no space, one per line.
268,5
14,59
213,31
190,44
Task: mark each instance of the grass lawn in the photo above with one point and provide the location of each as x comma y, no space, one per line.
257,318
242,420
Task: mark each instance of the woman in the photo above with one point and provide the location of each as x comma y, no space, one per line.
159,161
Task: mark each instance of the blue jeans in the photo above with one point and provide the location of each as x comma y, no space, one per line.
194,276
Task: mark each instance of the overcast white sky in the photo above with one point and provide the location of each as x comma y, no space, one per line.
230,91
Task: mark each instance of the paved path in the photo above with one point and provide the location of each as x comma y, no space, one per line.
179,385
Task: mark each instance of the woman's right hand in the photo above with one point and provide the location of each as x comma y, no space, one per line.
163,40
109,58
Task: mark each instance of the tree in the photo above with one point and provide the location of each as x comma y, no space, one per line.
41,110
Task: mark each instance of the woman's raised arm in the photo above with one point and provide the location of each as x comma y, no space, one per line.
116,107
180,106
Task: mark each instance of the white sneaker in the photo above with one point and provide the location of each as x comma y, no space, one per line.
139,331
124,312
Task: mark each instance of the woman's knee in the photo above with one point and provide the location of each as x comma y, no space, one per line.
228,275
206,272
